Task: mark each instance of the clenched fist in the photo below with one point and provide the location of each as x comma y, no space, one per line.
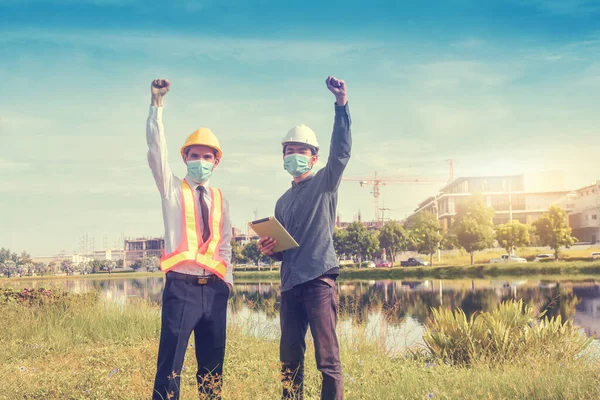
159,88
338,88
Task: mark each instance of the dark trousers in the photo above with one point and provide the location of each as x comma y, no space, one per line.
192,304
313,303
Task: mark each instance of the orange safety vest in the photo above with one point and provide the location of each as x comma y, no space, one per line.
191,248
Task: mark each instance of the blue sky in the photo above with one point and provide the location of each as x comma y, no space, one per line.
499,86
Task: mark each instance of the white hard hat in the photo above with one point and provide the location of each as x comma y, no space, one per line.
301,134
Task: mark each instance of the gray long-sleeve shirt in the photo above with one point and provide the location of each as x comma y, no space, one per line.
308,211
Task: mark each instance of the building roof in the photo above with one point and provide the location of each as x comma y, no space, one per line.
468,178
593,185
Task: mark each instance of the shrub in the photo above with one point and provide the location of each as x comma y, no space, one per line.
41,296
512,332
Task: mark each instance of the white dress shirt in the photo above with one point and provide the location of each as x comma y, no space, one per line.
169,187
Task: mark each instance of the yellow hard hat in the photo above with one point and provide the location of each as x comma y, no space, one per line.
203,137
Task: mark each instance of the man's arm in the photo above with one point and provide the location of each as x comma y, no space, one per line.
225,250
157,145
341,138
267,244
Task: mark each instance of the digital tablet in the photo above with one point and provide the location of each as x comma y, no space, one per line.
272,228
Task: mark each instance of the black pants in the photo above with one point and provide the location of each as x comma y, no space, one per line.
313,303
190,304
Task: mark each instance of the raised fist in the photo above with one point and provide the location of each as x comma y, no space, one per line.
160,87
338,88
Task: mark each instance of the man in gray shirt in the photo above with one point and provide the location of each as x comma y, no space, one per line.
308,273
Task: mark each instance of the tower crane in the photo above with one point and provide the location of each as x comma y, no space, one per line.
377,181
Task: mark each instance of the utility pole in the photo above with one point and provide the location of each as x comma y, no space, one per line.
510,213
437,216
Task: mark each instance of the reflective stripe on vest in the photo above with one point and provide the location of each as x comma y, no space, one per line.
191,248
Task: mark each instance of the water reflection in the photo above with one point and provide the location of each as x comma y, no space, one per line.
390,312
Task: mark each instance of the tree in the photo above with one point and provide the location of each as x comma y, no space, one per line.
8,267
340,245
427,233
136,265
251,252
371,244
474,227
393,237
67,267
360,242
513,234
553,229
96,266
41,268
151,263
236,252
30,268
53,267
24,258
107,266
4,254
84,267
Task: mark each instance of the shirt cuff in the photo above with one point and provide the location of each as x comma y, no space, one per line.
340,109
156,113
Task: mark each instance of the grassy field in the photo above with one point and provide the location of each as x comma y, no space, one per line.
89,350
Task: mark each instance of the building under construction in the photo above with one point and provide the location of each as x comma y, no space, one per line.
513,197
584,218
142,248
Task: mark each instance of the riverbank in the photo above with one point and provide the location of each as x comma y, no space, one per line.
548,270
87,350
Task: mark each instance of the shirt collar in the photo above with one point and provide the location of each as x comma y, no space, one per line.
195,185
308,178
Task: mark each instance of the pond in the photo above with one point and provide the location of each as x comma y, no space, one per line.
392,312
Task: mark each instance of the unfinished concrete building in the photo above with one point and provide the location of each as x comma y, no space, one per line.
141,248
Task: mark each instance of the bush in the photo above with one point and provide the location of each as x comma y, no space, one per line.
512,332
41,296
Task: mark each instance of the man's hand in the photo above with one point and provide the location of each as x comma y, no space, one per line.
266,245
159,88
338,88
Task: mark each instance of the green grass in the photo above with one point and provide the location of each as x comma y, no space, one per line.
452,266
483,257
88,350
547,270
477,271
101,275
510,333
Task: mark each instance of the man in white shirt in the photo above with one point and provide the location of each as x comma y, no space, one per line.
197,258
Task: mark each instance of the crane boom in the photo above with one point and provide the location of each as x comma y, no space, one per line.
376,182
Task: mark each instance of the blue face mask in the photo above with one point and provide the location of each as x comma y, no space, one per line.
199,171
296,164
